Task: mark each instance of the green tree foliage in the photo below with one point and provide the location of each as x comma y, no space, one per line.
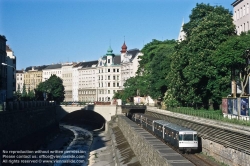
53,87
154,67
194,76
30,95
24,95
18,93
130,89
234,54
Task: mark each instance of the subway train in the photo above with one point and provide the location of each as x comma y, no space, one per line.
180,137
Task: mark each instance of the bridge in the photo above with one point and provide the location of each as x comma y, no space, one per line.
105,111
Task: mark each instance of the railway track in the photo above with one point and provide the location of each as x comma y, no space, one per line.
196,159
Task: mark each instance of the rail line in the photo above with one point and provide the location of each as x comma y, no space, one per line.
196,159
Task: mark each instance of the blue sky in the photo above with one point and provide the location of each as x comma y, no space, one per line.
42,32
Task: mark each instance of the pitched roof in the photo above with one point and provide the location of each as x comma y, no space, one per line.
39,68
86,64
117,60
8,48
53,66
19,71
133,52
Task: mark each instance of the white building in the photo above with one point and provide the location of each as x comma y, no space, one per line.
241,15
19,80
67,80
129,63
108,76
54,69
87,81
182,35
11,72
75,82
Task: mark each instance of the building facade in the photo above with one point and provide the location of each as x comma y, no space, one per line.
67,80
33,77
108,76
11,73
87,81
19,80
241,15
129,63
3,69
54,69
182,35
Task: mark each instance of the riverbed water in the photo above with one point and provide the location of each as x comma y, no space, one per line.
77,152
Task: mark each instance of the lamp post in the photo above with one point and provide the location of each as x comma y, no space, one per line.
4,64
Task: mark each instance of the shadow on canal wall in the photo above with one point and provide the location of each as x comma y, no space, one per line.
27,129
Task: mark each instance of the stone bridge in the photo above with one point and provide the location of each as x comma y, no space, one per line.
105,111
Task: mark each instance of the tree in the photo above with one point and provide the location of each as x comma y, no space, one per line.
194,75
31,94
53,87
24,96
130,89
18,93
235,54
153,68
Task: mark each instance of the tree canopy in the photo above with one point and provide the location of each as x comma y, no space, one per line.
53,88
196,77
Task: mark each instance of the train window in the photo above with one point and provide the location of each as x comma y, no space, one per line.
180,137
195,137
188,137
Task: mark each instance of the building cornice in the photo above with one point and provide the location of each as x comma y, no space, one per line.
236,2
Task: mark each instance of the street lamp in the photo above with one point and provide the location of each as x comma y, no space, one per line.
4,64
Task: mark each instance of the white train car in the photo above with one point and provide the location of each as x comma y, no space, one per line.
180,137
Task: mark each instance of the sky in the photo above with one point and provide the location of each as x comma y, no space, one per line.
43,32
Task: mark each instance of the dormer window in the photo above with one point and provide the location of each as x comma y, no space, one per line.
108,60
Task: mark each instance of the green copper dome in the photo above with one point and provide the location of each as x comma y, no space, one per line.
109,52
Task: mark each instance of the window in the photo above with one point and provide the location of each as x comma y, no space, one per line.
247,8
108,91
108,84
113,70
244,10
117,84
113,84
187,137
108,77
117,70
108,70
113,77
108,60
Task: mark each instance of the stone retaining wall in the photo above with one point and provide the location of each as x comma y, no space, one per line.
16,125
225,155
123,153
138,140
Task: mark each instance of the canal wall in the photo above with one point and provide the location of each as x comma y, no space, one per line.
18,127
148,149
